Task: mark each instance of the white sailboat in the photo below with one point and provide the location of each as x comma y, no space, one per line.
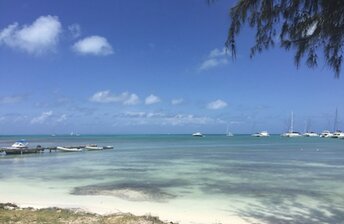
228,133
328,134
291,133
308,133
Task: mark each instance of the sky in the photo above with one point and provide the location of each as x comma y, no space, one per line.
141,67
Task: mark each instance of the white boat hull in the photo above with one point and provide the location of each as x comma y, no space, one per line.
93,148
64,149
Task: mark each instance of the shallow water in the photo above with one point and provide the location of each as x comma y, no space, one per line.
199,180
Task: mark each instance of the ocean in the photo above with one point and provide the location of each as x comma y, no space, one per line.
211,179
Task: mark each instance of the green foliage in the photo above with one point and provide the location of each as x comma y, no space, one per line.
308,26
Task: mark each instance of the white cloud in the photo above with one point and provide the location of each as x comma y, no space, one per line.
213,62
216,105
94,45
215,58
75,30
42,118
106,96
10,99
217,53
40,37
132,99
62,118
158,118
177,101
152,99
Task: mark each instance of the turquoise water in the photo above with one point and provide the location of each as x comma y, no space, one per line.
269,180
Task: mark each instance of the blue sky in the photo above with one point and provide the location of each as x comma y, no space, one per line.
148,67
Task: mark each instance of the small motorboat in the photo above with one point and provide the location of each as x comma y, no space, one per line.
93,147
21,144
261,134
21,147
108,147
197,134
69,149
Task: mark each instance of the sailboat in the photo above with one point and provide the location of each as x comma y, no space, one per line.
308,133
336,133
228,133
291,132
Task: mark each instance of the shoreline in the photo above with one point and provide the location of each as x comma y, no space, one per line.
12,213
165,215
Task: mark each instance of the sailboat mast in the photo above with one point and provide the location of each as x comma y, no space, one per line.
335,121
292,122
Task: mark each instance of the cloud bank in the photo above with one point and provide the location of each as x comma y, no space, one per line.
106,96
216,105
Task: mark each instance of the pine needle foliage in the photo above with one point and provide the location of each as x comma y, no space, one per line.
310,27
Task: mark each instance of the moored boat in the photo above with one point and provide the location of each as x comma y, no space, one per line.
326,134
93,147
310,134
197,134
21,147
291,133
108,147
69,149
261,134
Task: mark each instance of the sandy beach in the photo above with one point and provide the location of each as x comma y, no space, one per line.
180,211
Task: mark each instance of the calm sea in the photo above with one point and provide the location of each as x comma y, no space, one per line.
272,180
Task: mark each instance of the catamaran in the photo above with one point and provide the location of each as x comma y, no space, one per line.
291,133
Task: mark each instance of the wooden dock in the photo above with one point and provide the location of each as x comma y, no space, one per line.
37,149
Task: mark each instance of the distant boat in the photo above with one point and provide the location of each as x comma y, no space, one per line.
74,134
326,134
71,149
337,133
291,133
93,147
108,147
197,134
261,134
20,144
310,134
228,133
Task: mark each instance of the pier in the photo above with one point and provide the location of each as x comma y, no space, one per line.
38,149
